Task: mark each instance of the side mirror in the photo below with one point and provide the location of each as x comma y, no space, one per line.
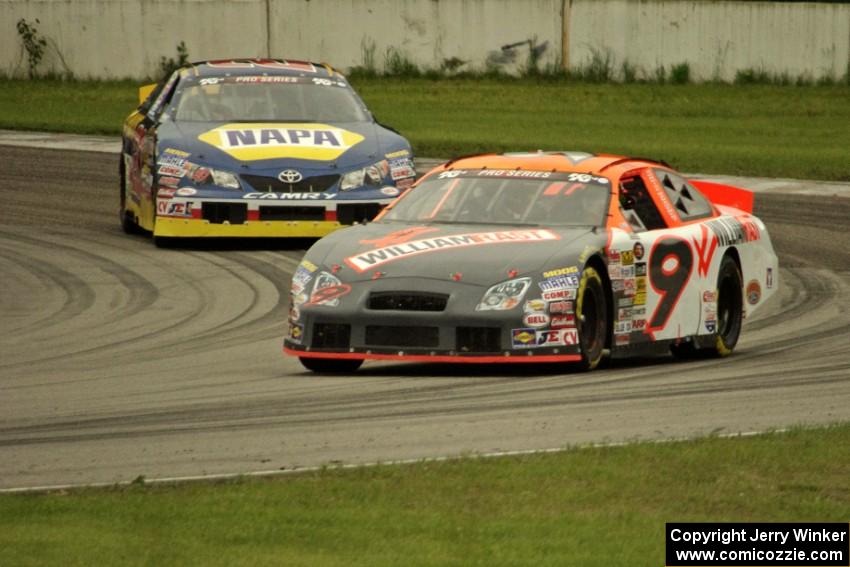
145,92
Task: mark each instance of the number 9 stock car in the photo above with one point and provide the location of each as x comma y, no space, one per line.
541,257
256,147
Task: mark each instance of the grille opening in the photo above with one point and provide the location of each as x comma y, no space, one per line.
331,335
387,336
407,301
478,339
362,212
315,184
292,213
217,213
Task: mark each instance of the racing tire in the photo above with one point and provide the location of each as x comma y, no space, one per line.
331,365
128,223
592,318
730,316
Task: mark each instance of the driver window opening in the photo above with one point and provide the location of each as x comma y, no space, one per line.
637,205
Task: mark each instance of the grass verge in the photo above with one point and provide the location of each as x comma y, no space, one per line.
594,506
759,130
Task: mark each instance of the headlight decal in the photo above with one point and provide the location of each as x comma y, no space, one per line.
372,175
505,295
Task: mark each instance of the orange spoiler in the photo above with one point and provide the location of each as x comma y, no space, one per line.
726,195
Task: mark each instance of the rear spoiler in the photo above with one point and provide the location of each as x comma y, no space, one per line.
726,195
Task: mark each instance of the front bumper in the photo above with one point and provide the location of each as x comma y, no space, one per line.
201,216
458,333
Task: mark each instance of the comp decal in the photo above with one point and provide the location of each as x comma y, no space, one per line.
249,142
379,256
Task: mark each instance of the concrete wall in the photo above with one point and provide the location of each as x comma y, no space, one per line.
715,38
127,38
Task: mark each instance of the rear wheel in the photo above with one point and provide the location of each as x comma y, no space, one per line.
330,365
730,315
592,316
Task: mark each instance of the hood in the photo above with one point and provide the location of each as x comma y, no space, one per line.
482,254
306,145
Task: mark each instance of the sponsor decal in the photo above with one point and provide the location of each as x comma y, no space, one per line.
638,324
535,320
640,269
171,170
186,192
640,298
401,169
629,287
730,231
165,193
622,339
170,208
627,257
559,282
296,332
169,181
623,327
638,251
249,142
288,196
379,256
299,298
705,247
638,311
640,284
753,292
389,191
174,161
768,280
559,294
563,320
561,272
557,337
561,307
614,256
615,271
627,272
514,173
301,278
308,265
711,326
623,314
617,285
523,338
397,154
405,183
534,306
709,296
176,152
624,302
294,314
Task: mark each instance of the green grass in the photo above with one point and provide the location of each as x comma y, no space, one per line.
759,130
598,506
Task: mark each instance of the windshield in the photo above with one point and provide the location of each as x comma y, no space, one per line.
276,98
510,197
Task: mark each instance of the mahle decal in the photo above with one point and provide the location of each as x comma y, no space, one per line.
249,142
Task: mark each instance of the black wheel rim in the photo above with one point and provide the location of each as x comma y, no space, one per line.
591,325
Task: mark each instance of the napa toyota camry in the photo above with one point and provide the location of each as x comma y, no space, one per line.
564,257
256,148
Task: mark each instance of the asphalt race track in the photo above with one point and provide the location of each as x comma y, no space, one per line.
118,359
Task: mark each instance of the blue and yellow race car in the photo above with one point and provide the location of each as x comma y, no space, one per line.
256,148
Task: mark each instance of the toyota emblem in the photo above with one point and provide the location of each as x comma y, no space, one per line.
290,176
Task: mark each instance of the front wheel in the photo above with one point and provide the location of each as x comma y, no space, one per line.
128,223
592,318
330,365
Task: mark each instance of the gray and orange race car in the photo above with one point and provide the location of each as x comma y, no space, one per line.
538,257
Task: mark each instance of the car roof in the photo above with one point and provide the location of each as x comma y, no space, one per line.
560,161
253,66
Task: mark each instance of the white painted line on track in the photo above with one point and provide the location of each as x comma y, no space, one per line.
212,478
